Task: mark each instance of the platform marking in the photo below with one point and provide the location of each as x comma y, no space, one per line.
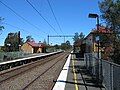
60,84
74,75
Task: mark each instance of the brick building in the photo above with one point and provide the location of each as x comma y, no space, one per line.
32,47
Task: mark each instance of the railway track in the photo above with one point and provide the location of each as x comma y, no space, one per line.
14,71
28,77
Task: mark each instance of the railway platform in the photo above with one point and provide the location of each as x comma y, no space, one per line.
74,76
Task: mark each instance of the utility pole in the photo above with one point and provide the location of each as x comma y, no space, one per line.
19,40
64,36
98,35
48,39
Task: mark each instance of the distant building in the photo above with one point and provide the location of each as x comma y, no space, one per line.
77,45
91,43
32,47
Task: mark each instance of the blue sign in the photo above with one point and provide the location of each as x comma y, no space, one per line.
97,38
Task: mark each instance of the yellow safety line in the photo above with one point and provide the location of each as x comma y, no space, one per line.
75,76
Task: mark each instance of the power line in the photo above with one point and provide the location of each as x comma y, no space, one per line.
21,16
59,36
41,15
54,15
16,27
19,28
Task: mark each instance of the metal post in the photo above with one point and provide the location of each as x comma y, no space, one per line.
101,76
98,35
98,51
19,41
99,69
48,39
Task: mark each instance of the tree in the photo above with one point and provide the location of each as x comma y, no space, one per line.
12,42
66,45
110,10
29,39
57,46
78,37
81,36
44,42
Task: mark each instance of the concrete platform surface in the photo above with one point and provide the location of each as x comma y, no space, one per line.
78,78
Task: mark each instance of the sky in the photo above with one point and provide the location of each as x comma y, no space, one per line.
72,16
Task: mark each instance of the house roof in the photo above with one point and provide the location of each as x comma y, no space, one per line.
33,44
102,30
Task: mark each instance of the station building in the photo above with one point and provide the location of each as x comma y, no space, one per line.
32,47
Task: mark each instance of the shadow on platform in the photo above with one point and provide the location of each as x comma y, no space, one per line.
88,79
71,82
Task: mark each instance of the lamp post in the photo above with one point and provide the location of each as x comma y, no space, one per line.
97,39
97,17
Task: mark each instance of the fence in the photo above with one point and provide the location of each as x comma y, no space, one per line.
91,63
103,70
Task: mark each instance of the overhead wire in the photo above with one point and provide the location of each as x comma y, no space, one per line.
41,15
54,16
21,17
19,28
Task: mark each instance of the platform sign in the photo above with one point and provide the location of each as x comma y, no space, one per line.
97,38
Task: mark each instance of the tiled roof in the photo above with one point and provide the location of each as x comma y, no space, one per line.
102,29
33,44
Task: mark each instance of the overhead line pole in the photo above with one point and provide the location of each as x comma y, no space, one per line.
48,39
19,40
59,36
